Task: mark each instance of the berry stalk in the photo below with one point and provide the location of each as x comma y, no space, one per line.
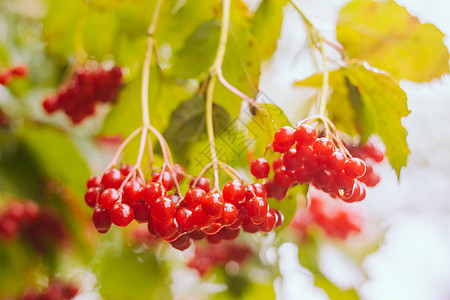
214,71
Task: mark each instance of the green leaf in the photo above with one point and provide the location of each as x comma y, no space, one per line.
188,125
127,274
264,124
389,38
197,55
57,156
369,103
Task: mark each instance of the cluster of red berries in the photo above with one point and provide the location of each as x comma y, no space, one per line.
42,229
79,97
209,256
179,220
56,290
307,158
334,218
15,216
17,71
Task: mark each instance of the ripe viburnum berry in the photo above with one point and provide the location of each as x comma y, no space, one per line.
260,168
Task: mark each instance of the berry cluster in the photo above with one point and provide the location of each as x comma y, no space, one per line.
17,71
56,290
78,97
307,158
41,228
119,199
210,256
15,216
334,218
371,155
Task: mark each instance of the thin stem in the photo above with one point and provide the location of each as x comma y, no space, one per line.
235,91
146,66
142,147
324,93
122,146
214,71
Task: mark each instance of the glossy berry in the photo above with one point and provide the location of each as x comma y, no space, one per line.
260,168
93,181
335,162
199,218
109,197
179,170
122,214
193,196
257,209
278,148
213,204
182,243
163,209
126,169
201,182
166,229
152,191
166,180
142,212
277,162
91,196
284,137
213,228
269,222
229,234
305,134
323,147
275,190
132,192
256,189
112,178
234,192
284,177
291,160
101,219
355,167
229,214
184,219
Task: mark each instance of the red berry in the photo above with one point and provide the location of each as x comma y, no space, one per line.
179,170
275,190
163,208
234,192
152,191
323,147
20,71
257,209
305,153
101,219
93,181
277,162
193,196
50,104
132,192
229,234
335,162
260,168
199,218
182,242
354,167
269,222
197,235
5,77
278,148
213,204
91,196
249,226
184,219
214,239
305,135
166,180
112,178
16,211
126,169
284,177
302,175
202,183
229,214
165,228
31,210
256,189
122,214
109,197
284,137
213,228
291,160
142,212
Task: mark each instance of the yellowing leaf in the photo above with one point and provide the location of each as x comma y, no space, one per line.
389,38
367,102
